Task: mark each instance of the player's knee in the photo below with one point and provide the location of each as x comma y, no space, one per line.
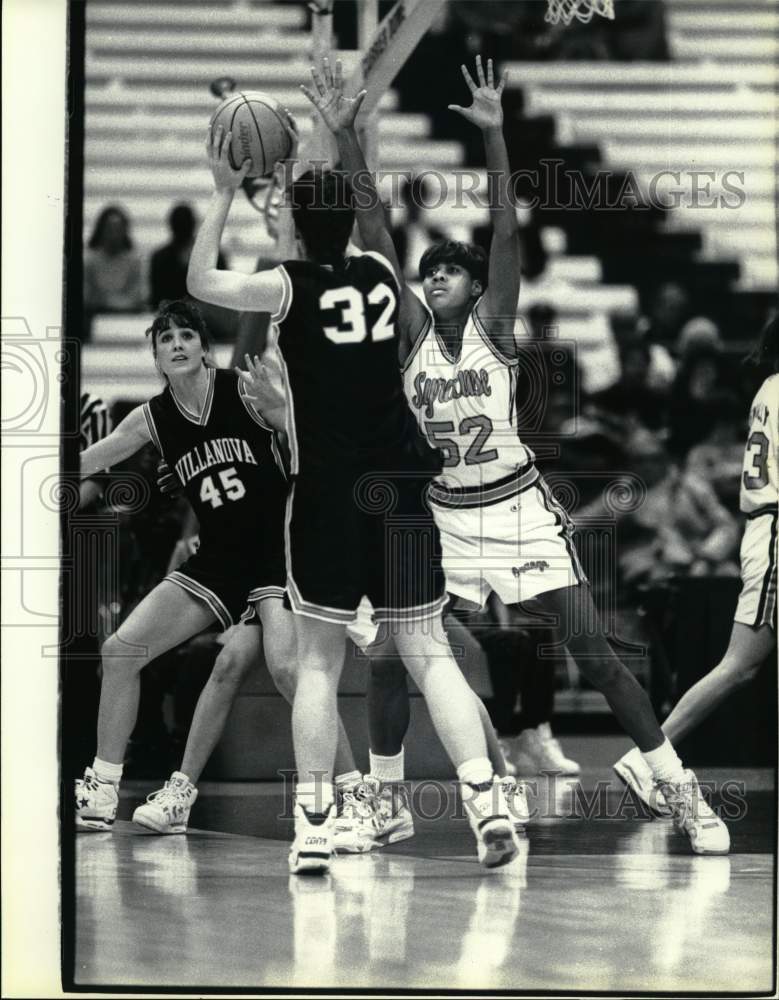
230,669
283,673
118,656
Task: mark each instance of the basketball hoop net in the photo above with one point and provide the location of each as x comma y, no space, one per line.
582,10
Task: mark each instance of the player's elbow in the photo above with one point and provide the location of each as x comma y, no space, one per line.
196,283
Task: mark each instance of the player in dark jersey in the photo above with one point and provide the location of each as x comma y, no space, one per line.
357,476
228,460
489,525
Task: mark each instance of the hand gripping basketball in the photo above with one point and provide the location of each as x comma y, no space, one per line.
218,151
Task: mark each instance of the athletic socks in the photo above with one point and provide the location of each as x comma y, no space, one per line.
477,771
387,769
346,782
109,773
664,762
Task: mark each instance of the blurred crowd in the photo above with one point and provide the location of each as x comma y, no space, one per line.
117,279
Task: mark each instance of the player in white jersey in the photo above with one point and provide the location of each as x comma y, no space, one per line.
500,527
753,638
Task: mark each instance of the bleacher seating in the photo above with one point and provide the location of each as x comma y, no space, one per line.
713,108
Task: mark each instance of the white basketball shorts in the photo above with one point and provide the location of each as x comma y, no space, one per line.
757,601
518,547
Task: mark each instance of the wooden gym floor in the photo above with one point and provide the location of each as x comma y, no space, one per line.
596,901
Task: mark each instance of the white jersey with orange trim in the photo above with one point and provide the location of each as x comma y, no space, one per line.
465,406
760,477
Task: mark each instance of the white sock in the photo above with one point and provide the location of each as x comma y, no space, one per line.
387,768
346,781
109,773
180,776
544,730
664,762
477,771
314,796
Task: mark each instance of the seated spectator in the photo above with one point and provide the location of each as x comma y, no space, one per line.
680,528
113,279
169,263
718,458
697,396
633,399
667,312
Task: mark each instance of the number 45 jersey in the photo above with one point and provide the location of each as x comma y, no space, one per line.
337,336
229,464
760,477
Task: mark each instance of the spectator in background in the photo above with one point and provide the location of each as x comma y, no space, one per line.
718,458
668,311
680,528
697,396
113,279
633,399
168,269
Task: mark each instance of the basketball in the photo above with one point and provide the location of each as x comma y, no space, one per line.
257,122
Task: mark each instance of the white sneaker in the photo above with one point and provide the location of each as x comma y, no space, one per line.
552,756
96,802
394,819
167,810
694,816
508,752
312,849
516,799
356,822
633,771
488,814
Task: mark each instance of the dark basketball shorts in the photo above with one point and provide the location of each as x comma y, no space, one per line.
372,535
228,584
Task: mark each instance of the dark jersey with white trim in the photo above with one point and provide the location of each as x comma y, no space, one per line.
227,460
338,338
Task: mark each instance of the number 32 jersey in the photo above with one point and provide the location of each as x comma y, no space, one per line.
228,461
337,335
760,477
466,406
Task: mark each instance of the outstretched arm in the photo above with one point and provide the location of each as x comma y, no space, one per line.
498,307
128,437
259,292
339,113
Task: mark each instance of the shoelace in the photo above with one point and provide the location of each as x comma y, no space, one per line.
173,795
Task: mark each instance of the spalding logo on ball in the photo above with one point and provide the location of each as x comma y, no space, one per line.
258,123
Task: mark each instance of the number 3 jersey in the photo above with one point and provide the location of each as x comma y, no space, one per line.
760,477
466,408
336,333
228,462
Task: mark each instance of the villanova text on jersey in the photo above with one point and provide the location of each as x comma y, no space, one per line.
217,451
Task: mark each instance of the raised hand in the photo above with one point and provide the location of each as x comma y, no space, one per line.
258,385
338,112
218,152
486,111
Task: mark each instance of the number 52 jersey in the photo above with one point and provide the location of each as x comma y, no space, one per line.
760,477
229,463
